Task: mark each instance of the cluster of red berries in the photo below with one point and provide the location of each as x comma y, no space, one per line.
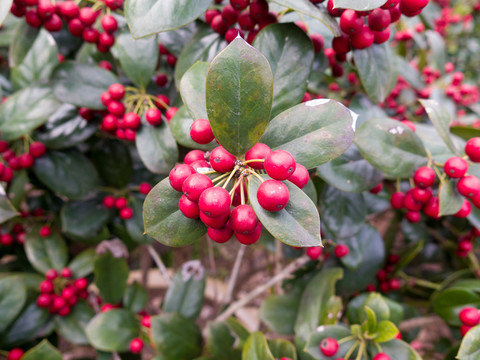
137,344
60,292
329,347
15,354
469,317
462,94
16,162
314,252
121,203
169,57
80,21
16,233
386,281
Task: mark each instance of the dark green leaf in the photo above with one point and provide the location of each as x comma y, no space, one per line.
113,162
280,311
192,89
239,330
390,146
377,70
450,302
180,127
239,94
378,304
81,84
138,58
46,253
112,330
336,332
168,15
7,211
26,110
175,337
30,321
43,351
111,276
450,199
359,5
465,132
4,10
290,53
165,222
156,147
298,224
135,298
397,349
177,39
12,298
220,342
72,327
470,347
82,264
256,348
282,348
314,132
68,173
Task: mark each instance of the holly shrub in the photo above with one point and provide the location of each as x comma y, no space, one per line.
239,179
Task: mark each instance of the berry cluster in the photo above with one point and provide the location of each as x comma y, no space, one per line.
314,252
386,281
15,162
17,233
469,317
60,292
169,57
121,203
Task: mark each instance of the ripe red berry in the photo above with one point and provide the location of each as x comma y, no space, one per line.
472,149
329,346
45,231
258,151
126,213
280,165
410,203
132,120
194,185
258,9
239,4
376,189
107,307
341,250
81,284
273,195
245,21
396,200
43,301
85,113
201,131
171,112
469,316
178,175
144,188
379,38
341,44
216,223
424,177
221,235
37,149
318,42
432,208
465,246
147,321
232,33
70,9
51,274
153,116
421,195
379,19
363,39
221,160
465,210
412,7
161,79
300,176
464,329
136,346
68,293
109,23
243,219
117,91
116,108
66,273
108,201
215,202
350,22
455,167
314,252
194,155
32,19
121,202
87,16
390,4
248,239
469,186
210,14
53,24
381,356
46,286
15,354
219,25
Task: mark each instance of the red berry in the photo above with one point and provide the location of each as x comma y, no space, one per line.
363,39
221,235
171,112
153,116
193,156
32,19
117,91
455,167
37,149
465,210
108,201
210,14
300,176
273,195
161,79
424,177
105,41
258,151
188,208
195,184
51,274
379,19
258,9
314,252
201,131
116,108
341,44
469,316
381,356
147,321
46,286
43,301
109,23
26,161
221,160
397,200
6,239
219,25
53,24
464,329
410,203
248,239
245,21
394,284
232,34
70,9
81,284
318,42
45,231
66,273
465,246
350,22
432,208
412,7
215,202
136,346
341,250
107,307
390,4
126,213
379,38
280,165
15,354
376,189
243,219
144,188
421,195
472,149
121,203
87,16
132,120
68,293
329,346
239,4
178,175
469,186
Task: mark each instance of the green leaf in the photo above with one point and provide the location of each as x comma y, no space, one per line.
438,49
26,110
350,172
177,39
138,58
282,348
220,342
386,331
256,348
27,325
239,330
343,214
175,337
156,147
465,132
165,222
289,51
180,127
4,10
470,347
113,162
305,7
81,84
239,94
377,70
440,120
82,264
409,73
112,330
46,253
68,173
378,304
186,292
7,211
135,224
450,199
370,325
72,327
43,351
135,298
16,193
280,311
13,295
298,224
448,303
314,132
396,349
168,15
333,331
111,276
390,146
313,306
192,89
34,55
359,5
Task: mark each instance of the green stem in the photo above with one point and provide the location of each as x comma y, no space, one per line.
230,177
352,350
420,282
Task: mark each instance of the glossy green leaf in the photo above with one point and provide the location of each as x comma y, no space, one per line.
279,312
313,306
256,348
470,347
333,331
370,324
27,325
81,84
26,110
111,276
343,214
175,337
441,121
180,127
434,143
156,147
138,58
72,327
282,348
298,224
305,7
68,173
112,330
82,264
289,51
46,253
377,70
135,298
40,56
185,294
397,349
220,342
450,302
146,17
177,39
7,211
314,132
386,331
192,89
16,193
43,351
465,132
4,10
12,299
239,94
390,146
378,305
359,5
450,199
165,222
113,162
134,225
350,172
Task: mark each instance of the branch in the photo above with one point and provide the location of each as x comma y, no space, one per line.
159,263
234,276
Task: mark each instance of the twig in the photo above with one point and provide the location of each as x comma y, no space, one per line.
213,268
414,323
278,263
295,265
159,263
234,276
